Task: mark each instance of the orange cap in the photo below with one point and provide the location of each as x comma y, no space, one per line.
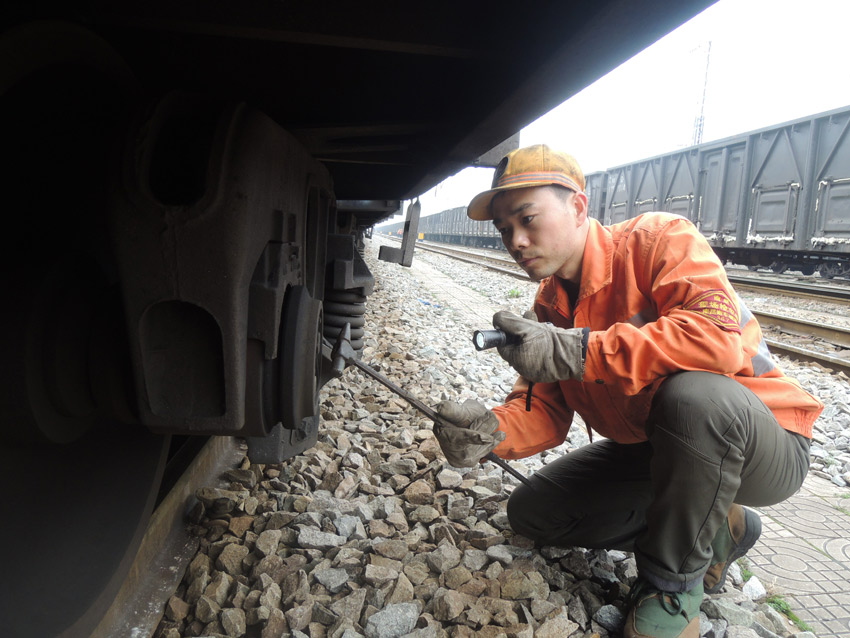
536,165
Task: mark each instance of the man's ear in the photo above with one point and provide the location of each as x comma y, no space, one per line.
580,200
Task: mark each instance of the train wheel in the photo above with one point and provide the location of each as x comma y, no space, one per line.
778,267
291,383
81,478
80,511
828,271
86,477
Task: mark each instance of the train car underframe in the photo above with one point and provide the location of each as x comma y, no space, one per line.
171,267
828,266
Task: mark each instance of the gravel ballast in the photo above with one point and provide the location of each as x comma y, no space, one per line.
371,534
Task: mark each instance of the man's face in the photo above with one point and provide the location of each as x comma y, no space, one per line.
543,230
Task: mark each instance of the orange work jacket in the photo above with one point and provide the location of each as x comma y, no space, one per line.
657,301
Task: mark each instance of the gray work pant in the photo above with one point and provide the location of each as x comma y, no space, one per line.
712,443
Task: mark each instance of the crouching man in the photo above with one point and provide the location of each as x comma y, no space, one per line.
641,334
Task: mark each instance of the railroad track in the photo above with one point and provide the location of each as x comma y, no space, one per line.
167,545
498,264
806,290
828,346
803,340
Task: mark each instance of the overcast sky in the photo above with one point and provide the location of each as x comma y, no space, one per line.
770,61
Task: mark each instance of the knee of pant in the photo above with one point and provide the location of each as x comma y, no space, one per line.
519,510
535,518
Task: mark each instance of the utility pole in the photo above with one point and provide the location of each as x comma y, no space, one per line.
700,119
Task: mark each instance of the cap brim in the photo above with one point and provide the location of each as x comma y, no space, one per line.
479,207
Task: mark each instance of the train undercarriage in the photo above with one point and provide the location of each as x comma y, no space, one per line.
172,266
828,266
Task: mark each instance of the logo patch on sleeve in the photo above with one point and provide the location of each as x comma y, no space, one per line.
717,306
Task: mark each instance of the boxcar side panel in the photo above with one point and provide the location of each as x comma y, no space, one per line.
831,215
721,194
680,173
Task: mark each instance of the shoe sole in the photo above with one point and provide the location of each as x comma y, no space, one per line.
751,535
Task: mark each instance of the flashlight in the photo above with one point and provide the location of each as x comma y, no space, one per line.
485,339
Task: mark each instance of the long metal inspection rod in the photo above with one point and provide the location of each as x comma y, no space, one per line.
431,414
412,400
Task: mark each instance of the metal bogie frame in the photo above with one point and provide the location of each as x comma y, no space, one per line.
166,272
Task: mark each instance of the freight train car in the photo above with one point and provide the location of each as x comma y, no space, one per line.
451,226
184,186
777,197
454,223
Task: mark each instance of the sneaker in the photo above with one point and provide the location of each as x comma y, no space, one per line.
662,614
736,537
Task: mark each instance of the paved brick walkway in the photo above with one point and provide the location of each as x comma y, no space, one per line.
804,555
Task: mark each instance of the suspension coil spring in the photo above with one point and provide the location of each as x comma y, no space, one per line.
342,307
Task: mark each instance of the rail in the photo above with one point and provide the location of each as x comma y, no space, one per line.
167,546
807,289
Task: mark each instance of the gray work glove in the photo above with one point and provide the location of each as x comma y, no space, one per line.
467,432
544,353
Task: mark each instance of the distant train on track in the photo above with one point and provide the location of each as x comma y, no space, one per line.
777,197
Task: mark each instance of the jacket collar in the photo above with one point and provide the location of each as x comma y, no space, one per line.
596,268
